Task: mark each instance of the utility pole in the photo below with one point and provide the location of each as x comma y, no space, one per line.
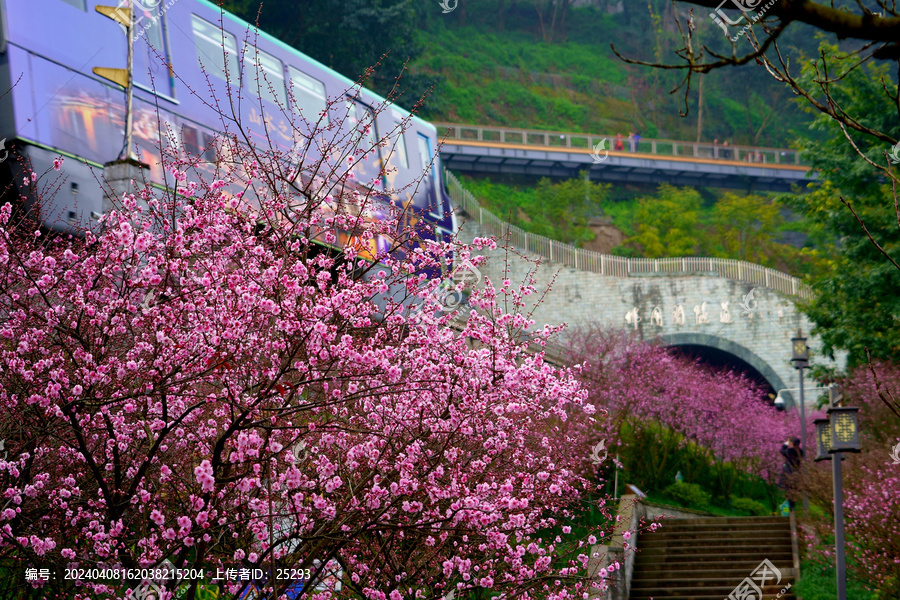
800,358
123,77
124,172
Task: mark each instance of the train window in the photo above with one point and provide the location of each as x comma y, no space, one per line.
191,140
147,25
77,4
400,148
214,48
151,56
425,156
266,75
362,120
309,96
209,147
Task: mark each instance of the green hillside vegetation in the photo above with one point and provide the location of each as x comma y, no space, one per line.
667,221
558,210
512,72
536,65
503,79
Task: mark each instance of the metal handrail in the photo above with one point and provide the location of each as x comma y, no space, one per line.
584,141
619,266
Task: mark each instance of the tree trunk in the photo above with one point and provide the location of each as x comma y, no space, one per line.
700,110
562,22
553,20
540,12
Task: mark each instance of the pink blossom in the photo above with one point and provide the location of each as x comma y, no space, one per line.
270,403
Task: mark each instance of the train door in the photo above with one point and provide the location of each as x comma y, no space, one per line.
425,198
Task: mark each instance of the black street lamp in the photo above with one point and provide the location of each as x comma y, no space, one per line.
844,429
800,358
835,435
823,439
800,354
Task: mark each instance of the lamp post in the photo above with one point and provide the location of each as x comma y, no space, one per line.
835,435
800,358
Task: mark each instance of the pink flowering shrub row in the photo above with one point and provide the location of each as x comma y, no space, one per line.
646,391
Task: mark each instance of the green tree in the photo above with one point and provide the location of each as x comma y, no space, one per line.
856,306
668,223
558,210
348,39
565,208
747,225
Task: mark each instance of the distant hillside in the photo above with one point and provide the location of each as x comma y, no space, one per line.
512,72
539,64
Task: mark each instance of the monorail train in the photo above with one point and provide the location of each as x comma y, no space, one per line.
56,105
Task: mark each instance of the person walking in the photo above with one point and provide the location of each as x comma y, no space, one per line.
618,145
637,140
793,456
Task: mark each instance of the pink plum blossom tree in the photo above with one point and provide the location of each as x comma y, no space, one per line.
216,381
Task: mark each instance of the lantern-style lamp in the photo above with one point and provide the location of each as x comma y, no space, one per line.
800,354
823,439
844,429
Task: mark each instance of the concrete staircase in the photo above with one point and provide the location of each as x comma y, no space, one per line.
707,558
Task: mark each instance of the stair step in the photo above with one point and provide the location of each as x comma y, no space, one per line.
668,526
663,534
647,560
715,540
699,582
692,569
725,521
704,596
721,591
721,548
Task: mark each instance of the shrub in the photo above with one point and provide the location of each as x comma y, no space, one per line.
690,495
748,505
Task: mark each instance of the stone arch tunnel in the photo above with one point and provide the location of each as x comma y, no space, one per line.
700,314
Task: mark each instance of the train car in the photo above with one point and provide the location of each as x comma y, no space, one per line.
185,53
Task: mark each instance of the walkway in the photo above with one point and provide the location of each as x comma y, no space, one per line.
477,149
